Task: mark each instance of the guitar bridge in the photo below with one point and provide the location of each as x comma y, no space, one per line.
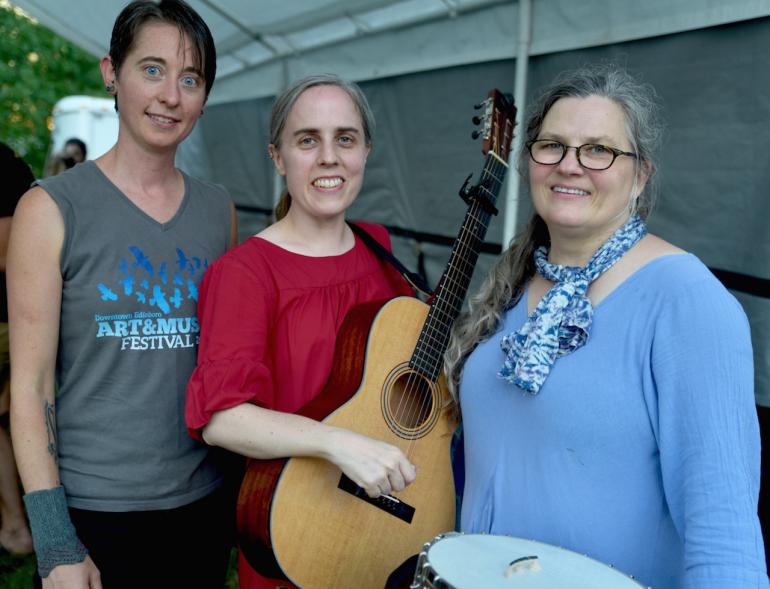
387,503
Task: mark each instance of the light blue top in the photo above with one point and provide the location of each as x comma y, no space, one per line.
642,448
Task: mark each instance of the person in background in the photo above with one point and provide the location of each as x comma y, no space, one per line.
102,303
73,152
605,376
270,309
14,532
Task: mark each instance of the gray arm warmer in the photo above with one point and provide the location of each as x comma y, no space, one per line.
53,534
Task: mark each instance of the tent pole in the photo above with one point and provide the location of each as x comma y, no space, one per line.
277,178
520,94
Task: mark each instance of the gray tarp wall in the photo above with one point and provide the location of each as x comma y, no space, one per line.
714,85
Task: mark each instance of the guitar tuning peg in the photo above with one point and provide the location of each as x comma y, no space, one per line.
476,120
480,105
476,134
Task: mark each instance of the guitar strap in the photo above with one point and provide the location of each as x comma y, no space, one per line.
417,281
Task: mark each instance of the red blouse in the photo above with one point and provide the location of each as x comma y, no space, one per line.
269,319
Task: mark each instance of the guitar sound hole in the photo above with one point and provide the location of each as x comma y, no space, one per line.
410,401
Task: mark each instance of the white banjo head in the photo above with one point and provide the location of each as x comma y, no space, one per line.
470,561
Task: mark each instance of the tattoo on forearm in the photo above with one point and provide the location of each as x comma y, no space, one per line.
50,424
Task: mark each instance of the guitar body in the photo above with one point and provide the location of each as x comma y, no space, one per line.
296,522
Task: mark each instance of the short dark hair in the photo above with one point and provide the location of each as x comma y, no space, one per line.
175,12
17,179
77,143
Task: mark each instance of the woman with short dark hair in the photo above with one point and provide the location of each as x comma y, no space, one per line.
104,268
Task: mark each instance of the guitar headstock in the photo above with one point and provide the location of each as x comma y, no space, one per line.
497,123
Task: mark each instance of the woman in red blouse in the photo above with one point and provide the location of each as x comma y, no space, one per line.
270,309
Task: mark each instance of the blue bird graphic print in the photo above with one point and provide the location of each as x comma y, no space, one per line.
141,261
107,294
163,290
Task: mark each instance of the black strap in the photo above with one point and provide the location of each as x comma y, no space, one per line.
417,281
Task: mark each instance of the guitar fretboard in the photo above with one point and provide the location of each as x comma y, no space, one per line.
427,358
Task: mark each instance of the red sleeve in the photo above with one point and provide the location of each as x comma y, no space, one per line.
234,311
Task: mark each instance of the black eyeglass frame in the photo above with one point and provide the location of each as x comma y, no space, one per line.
614,150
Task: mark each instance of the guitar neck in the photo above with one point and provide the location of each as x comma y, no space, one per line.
448,298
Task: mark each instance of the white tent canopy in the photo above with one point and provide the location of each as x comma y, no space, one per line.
263,43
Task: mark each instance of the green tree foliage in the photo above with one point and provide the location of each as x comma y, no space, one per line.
37,68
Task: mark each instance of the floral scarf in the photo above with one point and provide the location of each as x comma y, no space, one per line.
561,322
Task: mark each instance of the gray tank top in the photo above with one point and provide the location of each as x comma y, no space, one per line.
128,342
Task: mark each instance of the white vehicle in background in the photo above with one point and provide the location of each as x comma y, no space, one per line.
92,120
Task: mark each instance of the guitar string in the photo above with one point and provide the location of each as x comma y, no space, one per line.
451,294
449,286
459,285
419,359
456,288
475,233
443,300
450,282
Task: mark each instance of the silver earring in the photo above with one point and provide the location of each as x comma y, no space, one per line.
110,88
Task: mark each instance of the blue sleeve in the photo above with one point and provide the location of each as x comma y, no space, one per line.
708,435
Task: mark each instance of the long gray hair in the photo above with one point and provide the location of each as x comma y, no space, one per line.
503,286
288,98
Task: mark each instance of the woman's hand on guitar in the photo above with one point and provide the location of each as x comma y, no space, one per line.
377,467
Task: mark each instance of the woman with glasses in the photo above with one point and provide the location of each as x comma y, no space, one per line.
604,375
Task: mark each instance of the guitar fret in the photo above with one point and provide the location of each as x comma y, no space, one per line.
426,368
422,367
464,258
453,282
495,173
436,332
433,337
462,280
445,292
462,263
492,173
467,256
430,339
449,297
451,300
443,324
433,334
452,288
432,342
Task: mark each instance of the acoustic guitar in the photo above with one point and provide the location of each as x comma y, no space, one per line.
302,519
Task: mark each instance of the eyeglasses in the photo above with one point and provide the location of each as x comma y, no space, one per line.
591,156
